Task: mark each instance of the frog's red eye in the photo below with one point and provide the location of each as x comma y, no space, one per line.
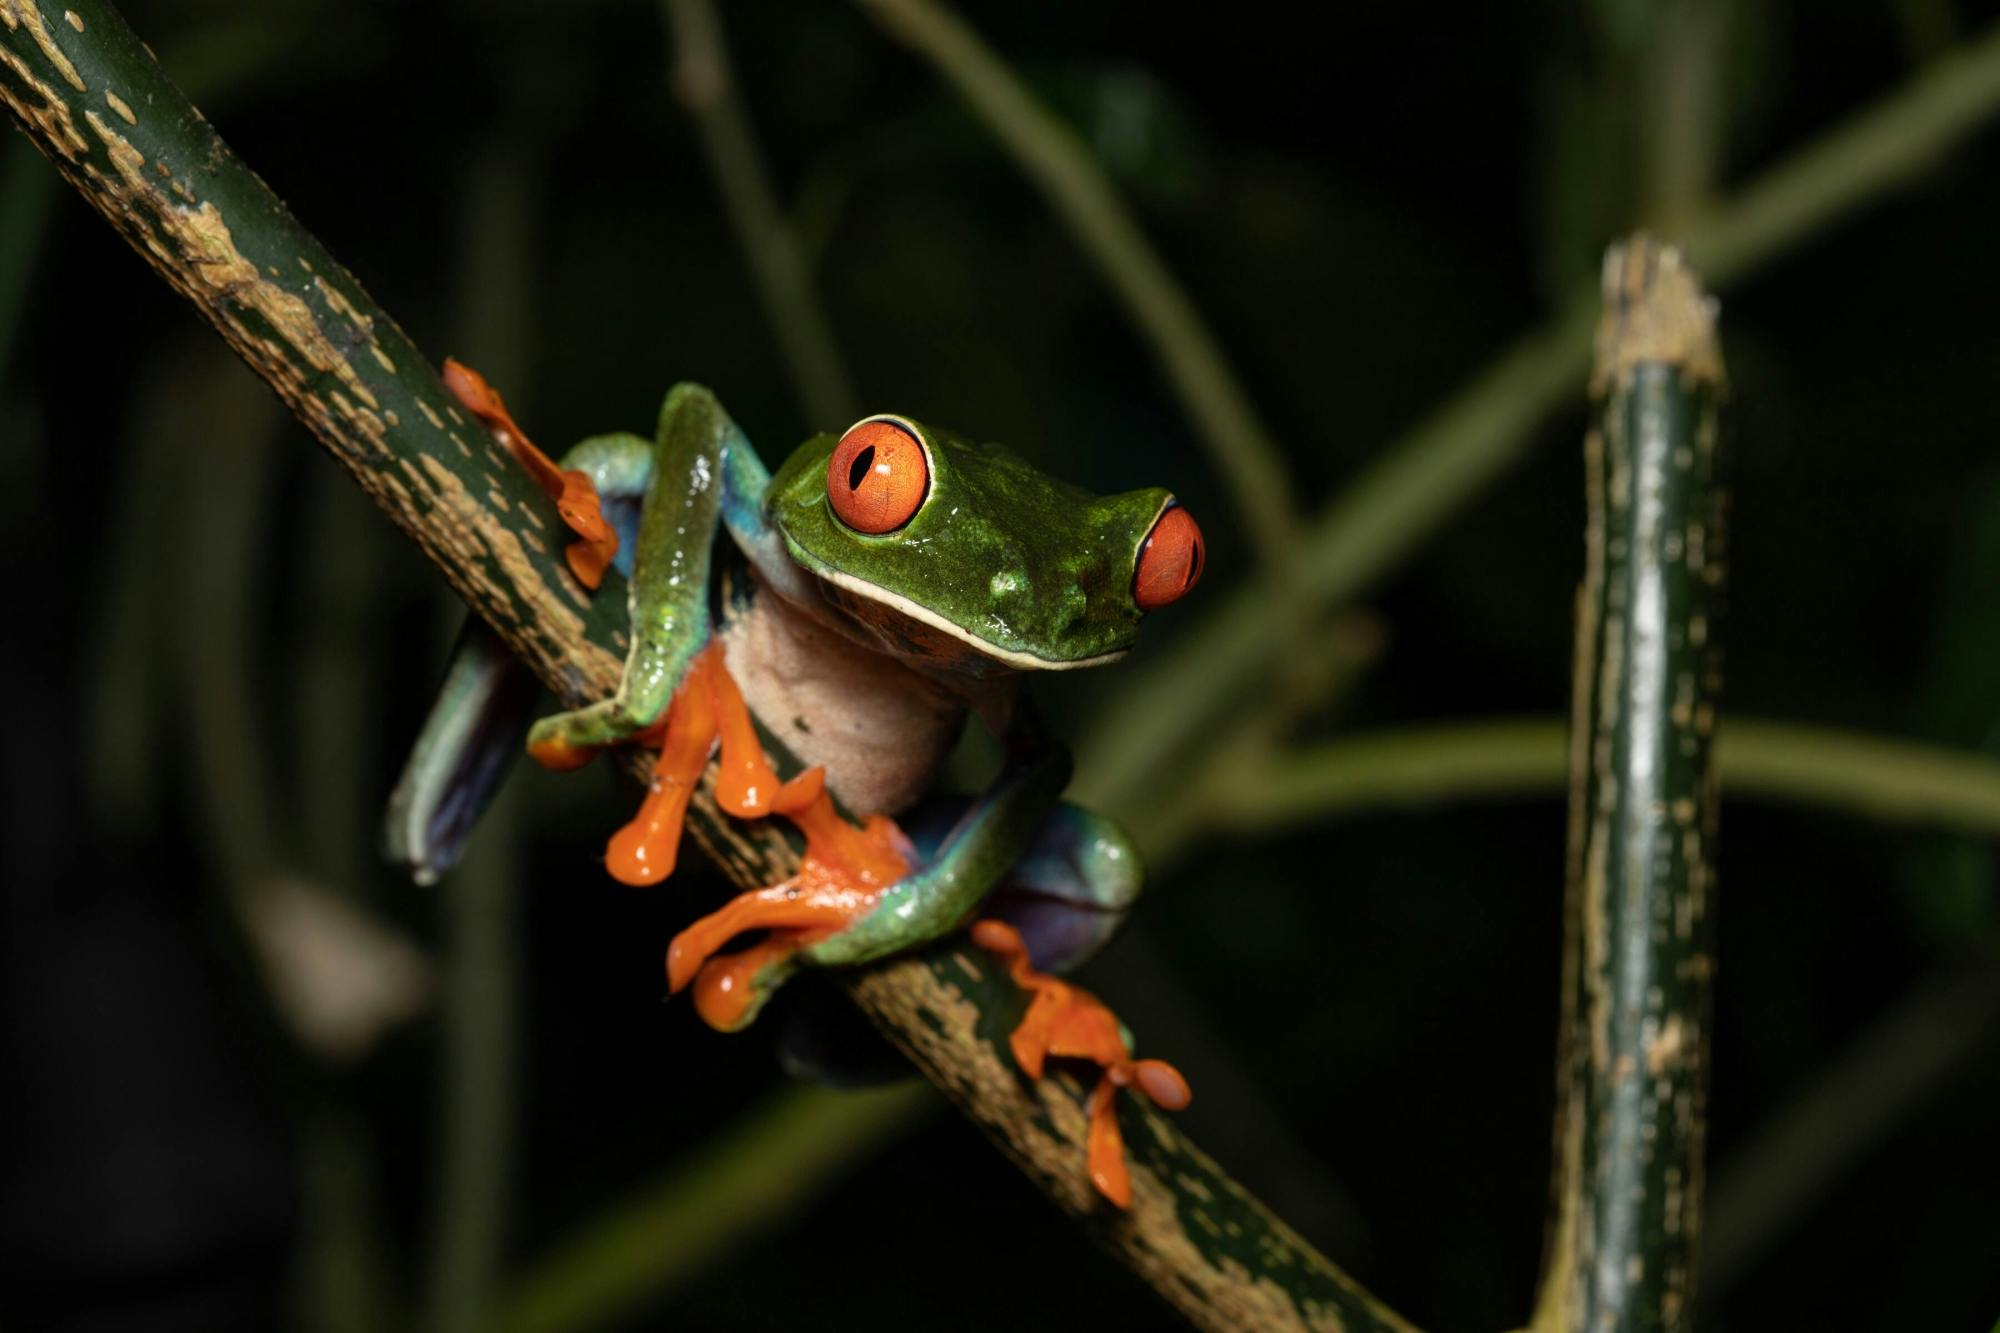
877,477
1169,562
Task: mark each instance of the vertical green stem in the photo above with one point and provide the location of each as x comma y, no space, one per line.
705,83
344,1287
1683,104
477,1079
480,901
1638,952
27,199
1059,164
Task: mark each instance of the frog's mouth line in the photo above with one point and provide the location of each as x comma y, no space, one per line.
904,606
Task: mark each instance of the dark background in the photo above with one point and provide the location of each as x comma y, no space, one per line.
215,650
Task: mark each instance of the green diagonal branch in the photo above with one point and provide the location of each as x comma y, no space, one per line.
1638,952
1900,781
96,103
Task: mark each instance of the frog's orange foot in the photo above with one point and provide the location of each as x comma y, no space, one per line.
1069,1022
575,495
1161,1084
644,851
792,905
596,544
729,989
840,881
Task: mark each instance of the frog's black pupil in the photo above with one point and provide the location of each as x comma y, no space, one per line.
859,471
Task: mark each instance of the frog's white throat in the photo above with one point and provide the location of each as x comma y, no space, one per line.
924,615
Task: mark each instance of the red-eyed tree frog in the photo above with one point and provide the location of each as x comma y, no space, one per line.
898,577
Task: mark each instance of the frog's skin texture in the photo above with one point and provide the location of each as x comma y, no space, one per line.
892,579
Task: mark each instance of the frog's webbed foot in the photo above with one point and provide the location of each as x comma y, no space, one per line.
705,708
840,883
1069,1022
574,493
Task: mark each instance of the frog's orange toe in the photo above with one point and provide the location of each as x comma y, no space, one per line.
558,755
596,545
1162,1084
1106,1152
645,851
588,560
730,988
471,390
684,960
791,906
997,937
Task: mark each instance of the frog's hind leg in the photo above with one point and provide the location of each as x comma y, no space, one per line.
480,717
1066,897
1069,892
462,756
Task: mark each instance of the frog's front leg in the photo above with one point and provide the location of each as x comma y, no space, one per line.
668,590
857,896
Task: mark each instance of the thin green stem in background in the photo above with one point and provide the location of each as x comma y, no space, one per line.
27,202
1884,147
1681,103
127,724
766,1169
1903,782
478,1083
225,425
1169,704
1049,153
480,902
345,1278
706,84
1788,1165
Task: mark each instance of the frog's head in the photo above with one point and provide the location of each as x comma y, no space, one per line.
963,556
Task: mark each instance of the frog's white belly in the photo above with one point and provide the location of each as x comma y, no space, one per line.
880,729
